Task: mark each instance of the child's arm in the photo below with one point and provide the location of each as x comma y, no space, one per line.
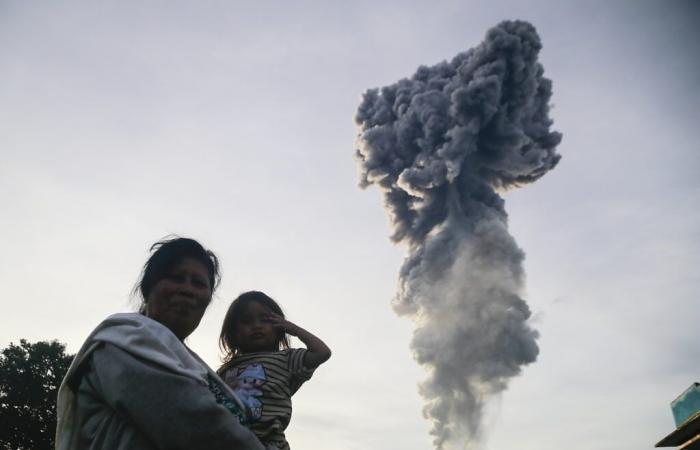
317,351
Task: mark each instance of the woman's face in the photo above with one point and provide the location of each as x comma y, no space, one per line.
179,300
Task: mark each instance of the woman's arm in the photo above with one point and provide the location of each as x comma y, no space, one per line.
171,410
317,351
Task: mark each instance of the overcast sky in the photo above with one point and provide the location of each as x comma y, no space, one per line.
232,122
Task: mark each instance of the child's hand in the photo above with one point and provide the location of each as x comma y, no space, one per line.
317,351
280,323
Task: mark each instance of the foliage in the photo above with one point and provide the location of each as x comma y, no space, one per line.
30,375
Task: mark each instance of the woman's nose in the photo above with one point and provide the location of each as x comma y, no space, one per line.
187,287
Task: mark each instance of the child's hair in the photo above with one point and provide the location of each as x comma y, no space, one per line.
227,339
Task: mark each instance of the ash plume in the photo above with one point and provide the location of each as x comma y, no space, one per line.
440,145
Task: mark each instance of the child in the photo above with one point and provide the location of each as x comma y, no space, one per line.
260,366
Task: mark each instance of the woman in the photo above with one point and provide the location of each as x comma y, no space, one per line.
135,385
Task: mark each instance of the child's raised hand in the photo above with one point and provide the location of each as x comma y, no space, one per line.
280,323
317,351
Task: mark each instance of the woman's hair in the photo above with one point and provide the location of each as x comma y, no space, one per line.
227,339
165,255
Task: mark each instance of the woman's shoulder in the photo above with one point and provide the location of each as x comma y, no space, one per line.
150,341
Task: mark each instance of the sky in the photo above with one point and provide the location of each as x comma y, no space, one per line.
122,122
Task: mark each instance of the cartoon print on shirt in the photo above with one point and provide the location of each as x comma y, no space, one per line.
247,386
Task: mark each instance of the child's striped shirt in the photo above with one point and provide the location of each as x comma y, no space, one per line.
265,382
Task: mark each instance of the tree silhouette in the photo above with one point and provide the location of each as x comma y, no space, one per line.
30,375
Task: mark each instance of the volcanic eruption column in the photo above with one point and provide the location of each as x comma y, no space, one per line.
440,145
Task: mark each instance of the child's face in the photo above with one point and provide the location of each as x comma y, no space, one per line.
254,332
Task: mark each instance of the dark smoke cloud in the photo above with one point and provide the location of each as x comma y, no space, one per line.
440,145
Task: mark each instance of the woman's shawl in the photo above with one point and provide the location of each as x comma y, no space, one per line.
142,337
